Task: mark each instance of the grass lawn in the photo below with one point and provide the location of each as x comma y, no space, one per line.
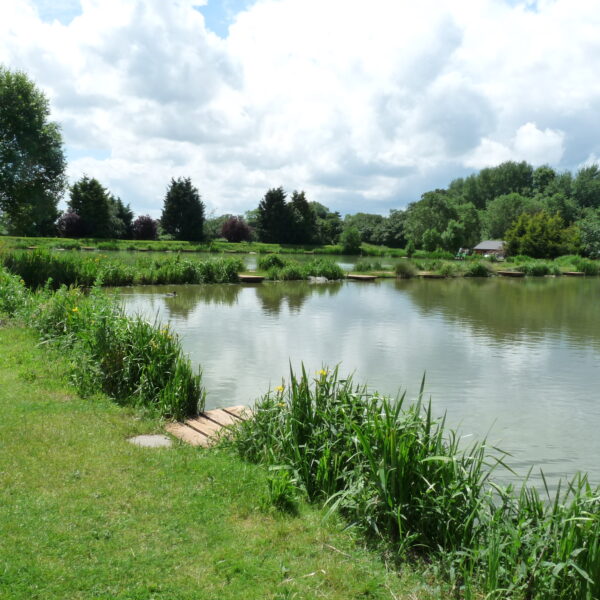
85,514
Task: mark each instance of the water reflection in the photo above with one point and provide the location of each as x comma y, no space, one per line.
521,357
509,309
273,296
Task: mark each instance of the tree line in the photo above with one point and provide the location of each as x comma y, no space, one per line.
537,211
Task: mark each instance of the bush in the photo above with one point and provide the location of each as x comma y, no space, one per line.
271,260
478,269
405,269
70,225
145,228
350,241
235,229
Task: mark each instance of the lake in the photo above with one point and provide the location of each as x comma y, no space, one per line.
516,360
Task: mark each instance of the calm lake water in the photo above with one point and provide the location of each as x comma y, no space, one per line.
516,360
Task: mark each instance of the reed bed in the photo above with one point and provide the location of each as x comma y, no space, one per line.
37,267
135,362
280,268
403,478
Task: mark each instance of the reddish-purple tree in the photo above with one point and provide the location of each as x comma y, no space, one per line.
235,229
70,225
145,228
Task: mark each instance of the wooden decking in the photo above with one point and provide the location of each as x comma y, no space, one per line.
511,273
205,429
247,278
358,277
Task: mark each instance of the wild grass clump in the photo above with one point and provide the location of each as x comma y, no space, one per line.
587,266
270,261
133,361
405,269
320,267
392,470
539,269
13,294
285,269
363,266
402,477
38,266
478,269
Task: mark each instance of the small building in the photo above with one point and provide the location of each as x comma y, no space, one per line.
490,247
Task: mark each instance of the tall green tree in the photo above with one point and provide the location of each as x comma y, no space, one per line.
93,203
303,220
273,219
329,224
586,187
503,211
183,211
32,161
542,236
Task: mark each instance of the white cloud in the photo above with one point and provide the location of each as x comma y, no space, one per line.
364,107
529,143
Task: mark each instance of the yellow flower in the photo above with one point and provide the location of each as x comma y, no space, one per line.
322,373
75,309
281,404
279,388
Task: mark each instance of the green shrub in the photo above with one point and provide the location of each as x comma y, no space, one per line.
271,260
405,269
478,269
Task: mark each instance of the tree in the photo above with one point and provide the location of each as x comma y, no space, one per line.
213,226
235,229
504,210
183,211
145,228
589,227
329,224
122,218
303,220
350,240
273,217
70,225
586,187
541,236
368,225
92,202
32,161
433,211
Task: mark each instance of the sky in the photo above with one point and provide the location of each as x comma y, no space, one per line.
364,105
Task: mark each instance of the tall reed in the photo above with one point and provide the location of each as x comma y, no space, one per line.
403,477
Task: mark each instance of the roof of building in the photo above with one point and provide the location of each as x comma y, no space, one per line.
490,245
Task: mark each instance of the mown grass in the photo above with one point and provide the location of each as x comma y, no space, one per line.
86,515
135,362
403,478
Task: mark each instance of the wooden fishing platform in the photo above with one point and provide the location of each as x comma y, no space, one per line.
358,277
511,273
574,273
431,275
205,429
245,278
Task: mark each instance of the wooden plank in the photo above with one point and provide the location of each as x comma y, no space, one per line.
188,435
361,277
203,425
221,417
241,412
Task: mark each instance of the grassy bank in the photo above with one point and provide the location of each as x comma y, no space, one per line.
84,514
135,362
404,480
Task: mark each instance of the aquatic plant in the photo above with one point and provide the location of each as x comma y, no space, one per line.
402,477
405,269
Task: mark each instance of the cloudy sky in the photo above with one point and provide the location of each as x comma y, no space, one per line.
365,105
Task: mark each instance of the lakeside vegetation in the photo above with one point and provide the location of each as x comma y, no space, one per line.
135,362
85,514
404,479
392,470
